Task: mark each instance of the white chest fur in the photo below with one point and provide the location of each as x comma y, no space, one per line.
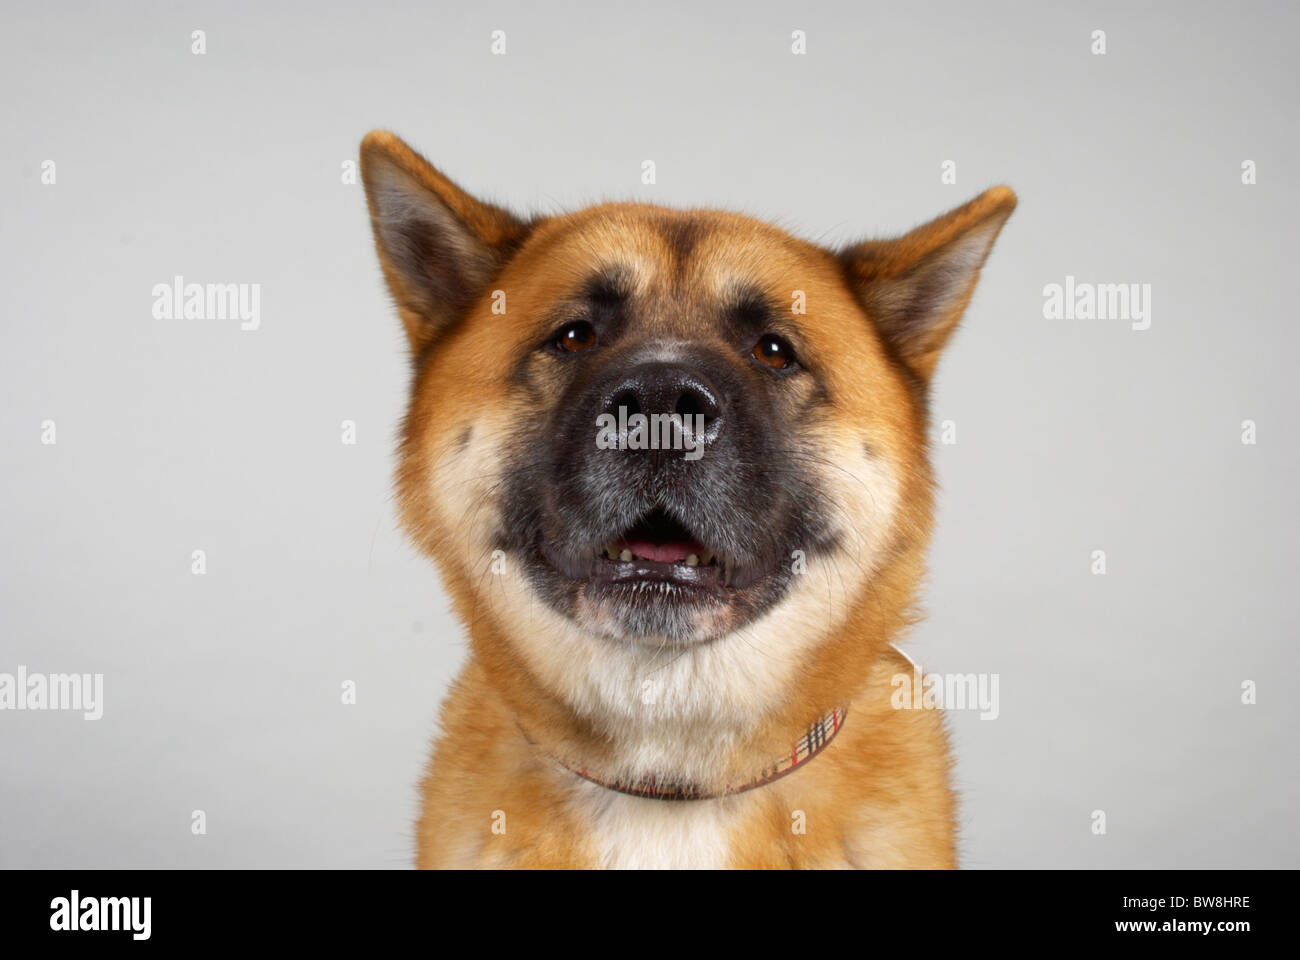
635,833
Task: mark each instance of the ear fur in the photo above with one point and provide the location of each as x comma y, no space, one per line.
916,287
438,246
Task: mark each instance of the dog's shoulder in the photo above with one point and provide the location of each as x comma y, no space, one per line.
487,799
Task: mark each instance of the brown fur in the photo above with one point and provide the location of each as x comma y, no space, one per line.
878,316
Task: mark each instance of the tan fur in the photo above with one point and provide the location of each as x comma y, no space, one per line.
537,684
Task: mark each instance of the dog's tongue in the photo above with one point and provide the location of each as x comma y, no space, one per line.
671,552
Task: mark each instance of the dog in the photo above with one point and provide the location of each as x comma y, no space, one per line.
672,467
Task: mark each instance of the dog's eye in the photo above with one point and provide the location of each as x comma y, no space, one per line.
772,351
576,336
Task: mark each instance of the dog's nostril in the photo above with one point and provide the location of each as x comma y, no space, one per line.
695,403
626,400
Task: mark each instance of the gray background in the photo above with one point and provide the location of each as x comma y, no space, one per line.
1118,693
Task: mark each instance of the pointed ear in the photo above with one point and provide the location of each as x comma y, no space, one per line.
438,246
915,288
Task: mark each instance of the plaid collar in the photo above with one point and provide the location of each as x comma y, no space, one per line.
801,751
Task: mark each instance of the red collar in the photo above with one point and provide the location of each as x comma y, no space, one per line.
801,751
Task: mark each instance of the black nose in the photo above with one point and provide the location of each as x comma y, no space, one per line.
668,388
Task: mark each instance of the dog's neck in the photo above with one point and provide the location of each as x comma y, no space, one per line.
669,787
691,755
711,718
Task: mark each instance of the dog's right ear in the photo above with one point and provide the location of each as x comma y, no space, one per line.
438,246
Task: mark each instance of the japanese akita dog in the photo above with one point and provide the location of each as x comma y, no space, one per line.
672,466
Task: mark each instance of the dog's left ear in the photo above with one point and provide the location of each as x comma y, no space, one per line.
916,287
438,245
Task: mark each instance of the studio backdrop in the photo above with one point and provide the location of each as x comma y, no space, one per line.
200,565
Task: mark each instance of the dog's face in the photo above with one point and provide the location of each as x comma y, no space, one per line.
664,467
662,428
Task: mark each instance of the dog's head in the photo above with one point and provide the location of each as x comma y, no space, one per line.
638,427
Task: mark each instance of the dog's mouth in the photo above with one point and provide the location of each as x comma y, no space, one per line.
657,550
660,539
